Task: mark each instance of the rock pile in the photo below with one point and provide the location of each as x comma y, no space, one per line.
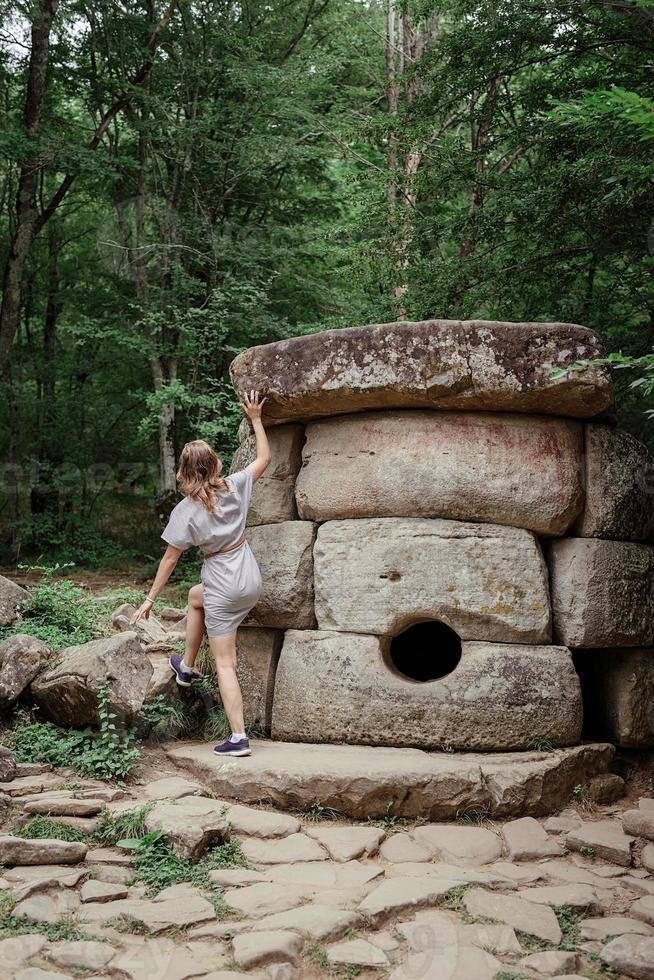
449,517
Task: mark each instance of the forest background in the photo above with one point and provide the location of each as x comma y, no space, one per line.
179,182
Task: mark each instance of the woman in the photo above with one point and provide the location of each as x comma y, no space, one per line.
212,516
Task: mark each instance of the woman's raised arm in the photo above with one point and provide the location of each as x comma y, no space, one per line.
252,408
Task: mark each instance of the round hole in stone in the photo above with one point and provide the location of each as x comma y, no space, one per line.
425,651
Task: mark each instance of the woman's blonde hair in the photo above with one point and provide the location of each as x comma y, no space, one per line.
199,474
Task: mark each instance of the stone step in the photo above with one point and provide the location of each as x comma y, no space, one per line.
370,781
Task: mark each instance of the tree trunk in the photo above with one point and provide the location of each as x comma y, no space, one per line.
28,220
26,208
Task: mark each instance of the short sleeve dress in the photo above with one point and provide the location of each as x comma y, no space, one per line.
232,581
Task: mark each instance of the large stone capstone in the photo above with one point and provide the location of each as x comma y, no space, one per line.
500,696
445,364
379,575
520,470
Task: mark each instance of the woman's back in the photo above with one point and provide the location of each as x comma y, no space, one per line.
191,523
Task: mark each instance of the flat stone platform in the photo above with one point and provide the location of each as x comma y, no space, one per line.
366,781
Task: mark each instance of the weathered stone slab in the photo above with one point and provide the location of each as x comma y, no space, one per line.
273,497
632,955
470,364
64,806
82,955
295,847
604,840
551,963
578,897
396,895
284,552
643,909
372,703
619,479
465,846
613,925
356,952
261,823
526,840
19,850
257,654
12,599
312,921
602,592
68,693
359,781
524,471
432,928
21,658
380,575
273,946
8,765
454,962
537,920
619,688
265,898
347,843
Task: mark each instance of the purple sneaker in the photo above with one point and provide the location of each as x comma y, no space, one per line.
183,674
242,747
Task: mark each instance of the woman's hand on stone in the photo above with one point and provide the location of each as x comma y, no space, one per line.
251,404
143,612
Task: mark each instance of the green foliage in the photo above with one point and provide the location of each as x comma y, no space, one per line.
157,867
569,923
104,754
129,824
543,745
317,812
46,827
58,612
390,820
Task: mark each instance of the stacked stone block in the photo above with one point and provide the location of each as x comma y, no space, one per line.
445,472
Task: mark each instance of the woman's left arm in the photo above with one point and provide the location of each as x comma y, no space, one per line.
165,570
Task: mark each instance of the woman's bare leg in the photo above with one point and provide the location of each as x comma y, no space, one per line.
224,652
194,624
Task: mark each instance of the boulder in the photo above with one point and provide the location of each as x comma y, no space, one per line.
190,825
149,630
68,692
284,552
12,598
273,498
7,765
520,470
500,696
21,658
446,364
602,592
380,575
619,479
257,654
619,692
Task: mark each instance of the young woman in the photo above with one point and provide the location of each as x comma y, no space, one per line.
212,516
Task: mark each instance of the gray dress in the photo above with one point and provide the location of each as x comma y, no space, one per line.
232,582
